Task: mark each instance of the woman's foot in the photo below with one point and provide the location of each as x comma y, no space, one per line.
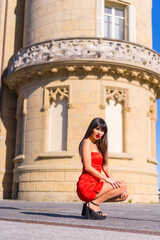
84,209
94,215
95,207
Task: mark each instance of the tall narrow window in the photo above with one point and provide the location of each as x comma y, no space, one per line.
114,23
58,119
114,119
114,20
115,100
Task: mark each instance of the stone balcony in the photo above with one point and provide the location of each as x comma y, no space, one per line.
80,55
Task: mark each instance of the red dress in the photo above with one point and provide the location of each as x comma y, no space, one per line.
88,186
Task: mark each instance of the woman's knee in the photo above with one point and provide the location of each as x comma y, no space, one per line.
125,196
124,186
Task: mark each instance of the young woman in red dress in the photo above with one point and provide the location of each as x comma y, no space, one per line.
96,183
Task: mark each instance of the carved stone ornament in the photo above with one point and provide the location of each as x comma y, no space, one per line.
152,108
58,92
21,106
118,95
84,56
54,93
82,48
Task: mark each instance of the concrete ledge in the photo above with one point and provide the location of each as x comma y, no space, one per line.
55,155
152,160
122,156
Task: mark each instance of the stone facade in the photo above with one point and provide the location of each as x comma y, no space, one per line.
63,62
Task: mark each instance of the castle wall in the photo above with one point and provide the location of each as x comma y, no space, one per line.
47,175
83,71
54,19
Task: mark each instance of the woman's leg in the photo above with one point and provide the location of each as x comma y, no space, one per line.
107,193
119,198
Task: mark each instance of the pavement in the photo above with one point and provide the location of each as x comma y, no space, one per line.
29,220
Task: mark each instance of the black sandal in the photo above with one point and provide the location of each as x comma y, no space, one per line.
91,214
84,209
98,206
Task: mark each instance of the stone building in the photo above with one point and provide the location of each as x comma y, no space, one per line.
64,63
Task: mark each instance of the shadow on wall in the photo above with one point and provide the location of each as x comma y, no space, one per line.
8,101
19,12
8,112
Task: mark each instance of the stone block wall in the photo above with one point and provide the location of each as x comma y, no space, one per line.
53,177
46,20
58,19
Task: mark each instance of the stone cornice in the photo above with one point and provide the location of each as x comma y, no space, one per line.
85,56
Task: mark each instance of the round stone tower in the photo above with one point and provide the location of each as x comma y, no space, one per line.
80,60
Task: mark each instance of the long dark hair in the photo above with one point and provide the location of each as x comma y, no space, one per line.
102,143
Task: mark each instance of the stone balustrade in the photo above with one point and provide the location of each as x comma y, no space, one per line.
111,51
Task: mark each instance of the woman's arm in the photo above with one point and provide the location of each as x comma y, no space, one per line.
108,173
86,154
105,167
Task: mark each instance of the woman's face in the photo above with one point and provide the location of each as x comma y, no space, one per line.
97,133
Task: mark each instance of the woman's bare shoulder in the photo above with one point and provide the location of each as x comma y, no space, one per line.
85,145
87,142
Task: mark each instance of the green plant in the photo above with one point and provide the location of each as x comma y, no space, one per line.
129,200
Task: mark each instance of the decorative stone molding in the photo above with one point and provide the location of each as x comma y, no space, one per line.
21,106
152,160
52,93
18,159
85,56
152,113
58,92
85,48
21,114
118,94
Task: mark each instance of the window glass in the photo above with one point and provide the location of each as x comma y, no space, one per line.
119,28
108,10
114,23
119,12
107,26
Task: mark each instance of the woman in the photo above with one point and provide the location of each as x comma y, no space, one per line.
93,186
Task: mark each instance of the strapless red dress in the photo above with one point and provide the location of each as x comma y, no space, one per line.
88,186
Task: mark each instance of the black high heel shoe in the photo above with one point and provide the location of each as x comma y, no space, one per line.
91,214
84,209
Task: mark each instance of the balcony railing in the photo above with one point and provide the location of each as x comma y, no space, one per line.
108,50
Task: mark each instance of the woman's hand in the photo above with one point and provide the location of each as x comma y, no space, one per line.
113,182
